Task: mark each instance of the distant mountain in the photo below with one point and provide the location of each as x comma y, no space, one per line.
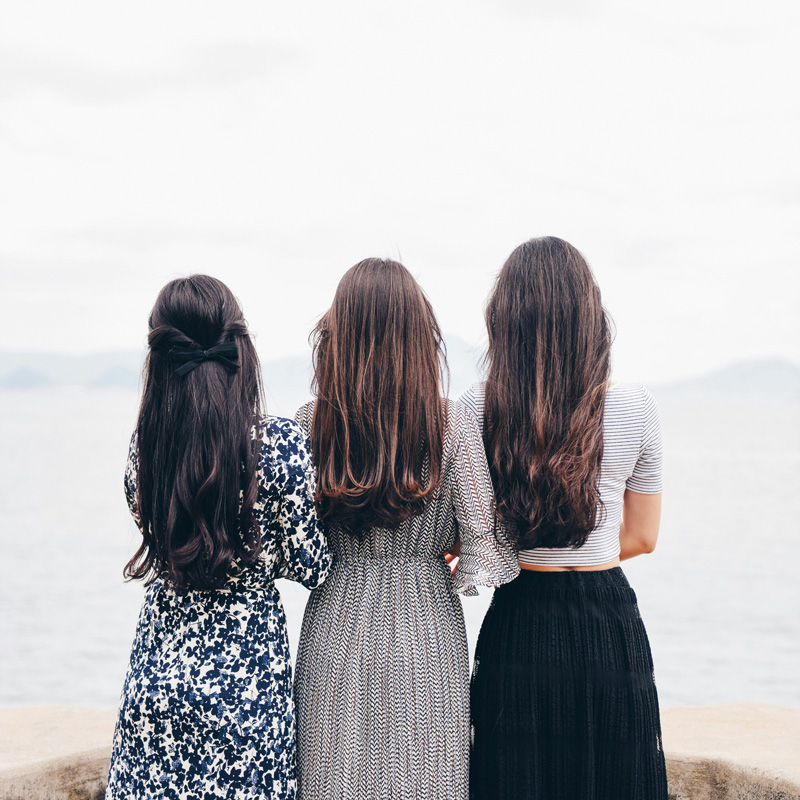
764,376
24,378
287,380
117,376
123,367
80,370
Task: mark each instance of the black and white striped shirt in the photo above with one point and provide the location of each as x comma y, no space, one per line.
632,459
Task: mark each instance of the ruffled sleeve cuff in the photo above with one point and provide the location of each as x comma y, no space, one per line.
485,561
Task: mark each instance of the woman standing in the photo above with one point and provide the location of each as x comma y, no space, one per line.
382,671
223,497
563,698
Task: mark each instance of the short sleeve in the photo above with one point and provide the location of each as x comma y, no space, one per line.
304,550
647,475
487,557
131,480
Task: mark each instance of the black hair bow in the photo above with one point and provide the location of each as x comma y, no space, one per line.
191,357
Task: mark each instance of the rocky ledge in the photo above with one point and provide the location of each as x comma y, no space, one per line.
741,751
744,751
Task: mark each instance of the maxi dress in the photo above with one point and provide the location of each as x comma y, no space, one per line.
207,708
382,677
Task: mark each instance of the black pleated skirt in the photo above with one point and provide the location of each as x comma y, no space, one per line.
564,703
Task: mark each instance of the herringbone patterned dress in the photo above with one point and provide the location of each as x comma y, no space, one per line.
382,683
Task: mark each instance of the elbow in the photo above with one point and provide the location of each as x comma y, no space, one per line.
647,546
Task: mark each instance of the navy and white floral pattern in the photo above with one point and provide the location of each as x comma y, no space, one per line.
207,708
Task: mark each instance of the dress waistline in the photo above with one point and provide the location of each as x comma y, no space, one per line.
388,559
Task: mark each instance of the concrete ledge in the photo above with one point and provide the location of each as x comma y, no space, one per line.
743,751
78,777
738,751
705,779
54,752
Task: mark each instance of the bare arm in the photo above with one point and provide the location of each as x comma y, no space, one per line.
451,555
641,515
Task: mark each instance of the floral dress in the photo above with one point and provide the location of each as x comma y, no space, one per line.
207,708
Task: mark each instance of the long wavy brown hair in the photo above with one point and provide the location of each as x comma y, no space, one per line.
548,368
378,423
196,483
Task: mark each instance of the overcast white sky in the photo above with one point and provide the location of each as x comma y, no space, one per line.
275,144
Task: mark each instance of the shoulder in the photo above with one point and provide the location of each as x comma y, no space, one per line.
132,465
472,399
455,411
629,397
304,416
283,442
631,410
461,422
283,431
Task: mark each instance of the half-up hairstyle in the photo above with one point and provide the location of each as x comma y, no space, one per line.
197,457
548,367
378,424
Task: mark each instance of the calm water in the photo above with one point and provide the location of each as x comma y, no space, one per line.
720,596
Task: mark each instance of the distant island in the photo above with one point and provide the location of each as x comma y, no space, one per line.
28,371
758,376
288,379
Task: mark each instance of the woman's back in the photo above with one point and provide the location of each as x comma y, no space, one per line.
632,453
222,497
291,545
563,697
382,683
456,506
382,669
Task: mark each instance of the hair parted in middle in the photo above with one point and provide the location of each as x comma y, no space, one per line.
548,368
378,424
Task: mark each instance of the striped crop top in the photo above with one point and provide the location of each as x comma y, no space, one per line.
632,457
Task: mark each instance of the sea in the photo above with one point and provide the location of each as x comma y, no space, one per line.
720,596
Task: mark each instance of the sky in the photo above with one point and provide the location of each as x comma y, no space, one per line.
274,145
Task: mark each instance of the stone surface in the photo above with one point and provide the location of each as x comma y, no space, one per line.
744,751
54,752
741,751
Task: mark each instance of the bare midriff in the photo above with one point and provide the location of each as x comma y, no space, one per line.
559,568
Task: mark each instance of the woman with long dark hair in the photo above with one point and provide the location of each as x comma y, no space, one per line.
564,703
223,497
382,670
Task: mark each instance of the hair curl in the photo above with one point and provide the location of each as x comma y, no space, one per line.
548,368
196,482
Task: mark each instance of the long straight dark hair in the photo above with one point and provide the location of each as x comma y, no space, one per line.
196,449
548,368
378,423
